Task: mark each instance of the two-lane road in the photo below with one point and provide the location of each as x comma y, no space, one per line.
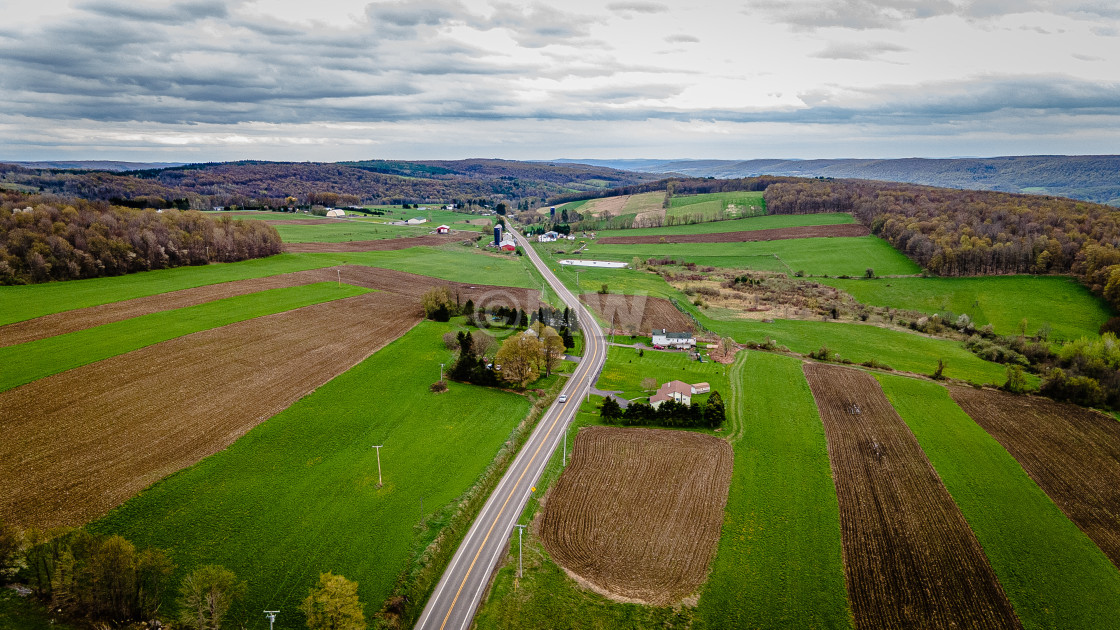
459,591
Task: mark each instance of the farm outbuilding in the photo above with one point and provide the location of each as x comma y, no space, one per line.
443,229
335,212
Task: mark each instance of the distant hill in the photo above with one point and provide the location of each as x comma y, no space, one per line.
98,165
1087,177
260,184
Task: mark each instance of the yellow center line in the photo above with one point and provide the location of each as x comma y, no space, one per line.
517,484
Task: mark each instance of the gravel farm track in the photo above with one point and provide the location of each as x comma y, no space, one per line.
381,245
78,443
910,558
776,234
639,313
638,512
1072,453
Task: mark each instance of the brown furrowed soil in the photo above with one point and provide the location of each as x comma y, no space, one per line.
385,244
638,313
637,513
776,234
910,558
1072,453
369,277
300,221
78,443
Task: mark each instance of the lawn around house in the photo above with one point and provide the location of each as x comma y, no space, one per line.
779,563
298,495
1067,307
33,360
1051,571
625,369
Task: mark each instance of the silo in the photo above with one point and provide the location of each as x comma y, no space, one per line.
498,235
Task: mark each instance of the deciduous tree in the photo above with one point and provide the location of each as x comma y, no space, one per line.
206,595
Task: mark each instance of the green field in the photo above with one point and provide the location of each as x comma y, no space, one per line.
298,494
768,222
1053,574
815,256
859,342
33,360
715,206
347,230
779,563
624,371
450,262
1003,301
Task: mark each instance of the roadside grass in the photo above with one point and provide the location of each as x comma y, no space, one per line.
767,222
298,494
1003,301
625,369
815,256
779,562
903,351
37,359
449,262
1053,574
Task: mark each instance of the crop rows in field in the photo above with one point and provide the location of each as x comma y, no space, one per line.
911,559
637,513
776,234
1072,453
385,244
80,442
639,313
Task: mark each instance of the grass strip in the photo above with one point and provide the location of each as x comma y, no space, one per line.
1053,574
37,359
779,559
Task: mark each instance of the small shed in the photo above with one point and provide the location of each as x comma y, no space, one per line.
443,229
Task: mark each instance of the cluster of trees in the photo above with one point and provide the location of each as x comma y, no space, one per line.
519,361
106,581
53,238
681,186
670,413
967,232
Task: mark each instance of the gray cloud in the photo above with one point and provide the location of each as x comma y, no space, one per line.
859,52
174,13
637,7
682,39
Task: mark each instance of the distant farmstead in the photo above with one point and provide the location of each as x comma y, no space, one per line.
662,337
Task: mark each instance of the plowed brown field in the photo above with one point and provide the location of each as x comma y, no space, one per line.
911,560
381,245
777,234
1072,453
639,313
300,221
637,513
374,278
78,443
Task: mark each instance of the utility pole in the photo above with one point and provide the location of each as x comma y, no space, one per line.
339,278
441,372
520,568
271,614
378,448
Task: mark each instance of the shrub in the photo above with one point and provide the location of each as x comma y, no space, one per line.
438,387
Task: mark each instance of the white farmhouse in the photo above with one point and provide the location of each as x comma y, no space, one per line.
673,390
662,337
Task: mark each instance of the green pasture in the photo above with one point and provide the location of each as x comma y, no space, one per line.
779,563
1053,574
767,222
449,262
903,351
715,206
347,230
37,359
625,369
298,495
815,256
1003,301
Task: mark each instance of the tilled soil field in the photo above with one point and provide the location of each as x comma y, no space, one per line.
300,221
637,513
639,313
777,234
381,245
78,443
911,560
1072,453
370,277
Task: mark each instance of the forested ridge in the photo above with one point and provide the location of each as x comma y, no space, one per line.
45,237
969,232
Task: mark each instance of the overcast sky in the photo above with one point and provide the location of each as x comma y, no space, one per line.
202,80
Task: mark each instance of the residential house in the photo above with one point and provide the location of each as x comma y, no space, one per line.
673,390
662,337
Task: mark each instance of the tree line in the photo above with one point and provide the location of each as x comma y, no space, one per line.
45,238
967,232
670,413
104,580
